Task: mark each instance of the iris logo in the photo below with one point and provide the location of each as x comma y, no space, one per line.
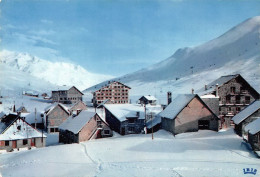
250,171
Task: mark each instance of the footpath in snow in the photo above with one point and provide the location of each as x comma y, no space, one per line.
203,153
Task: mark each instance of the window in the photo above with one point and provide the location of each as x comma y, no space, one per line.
247,99
19,127
107,132
52,130
6,143
233,89
228,99
238,109
56,130
131,121
131,129
99,124
237,99
25,142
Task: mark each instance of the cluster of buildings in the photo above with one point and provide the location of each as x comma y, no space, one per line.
227,101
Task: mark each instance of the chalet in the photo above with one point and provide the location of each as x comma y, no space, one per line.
55,114
67,96
253,129
234,93
243,118
83,127
187,113
16,133
115,92
148,100
125,118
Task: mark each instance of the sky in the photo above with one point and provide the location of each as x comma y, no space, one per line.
116,37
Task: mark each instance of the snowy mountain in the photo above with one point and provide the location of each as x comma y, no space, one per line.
236,51
22,70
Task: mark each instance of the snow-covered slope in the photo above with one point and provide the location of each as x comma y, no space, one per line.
39,70
203,153
236,51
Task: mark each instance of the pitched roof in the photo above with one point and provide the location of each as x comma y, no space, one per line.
10,131
7,121
66,88
177,105
149,97
220,81
151,123
77,90
75,124
30,118
245,113
49,108
123,111
253,127
100,86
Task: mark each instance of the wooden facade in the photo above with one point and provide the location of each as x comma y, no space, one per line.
115,92
234,93
83,127
72,95
188,113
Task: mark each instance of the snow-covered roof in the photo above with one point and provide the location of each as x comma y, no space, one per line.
212,86
151,123
49,108
30,118
7,121
20,109
2,114
19,129
245,113
75,124
177,104
253,127
123,111
149,97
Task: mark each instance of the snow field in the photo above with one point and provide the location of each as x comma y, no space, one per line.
203,153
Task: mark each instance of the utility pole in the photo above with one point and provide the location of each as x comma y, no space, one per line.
35,119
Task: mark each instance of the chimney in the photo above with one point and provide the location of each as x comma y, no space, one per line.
206,87
216,90
192,91
169,97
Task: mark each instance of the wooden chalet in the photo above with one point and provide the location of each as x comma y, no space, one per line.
83,127
243,118
16,133
234,94
188,113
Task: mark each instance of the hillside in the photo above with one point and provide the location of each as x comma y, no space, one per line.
236,51
37,73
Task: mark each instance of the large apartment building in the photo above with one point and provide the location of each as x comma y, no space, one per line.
114,92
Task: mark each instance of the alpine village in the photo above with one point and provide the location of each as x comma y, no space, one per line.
228,102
